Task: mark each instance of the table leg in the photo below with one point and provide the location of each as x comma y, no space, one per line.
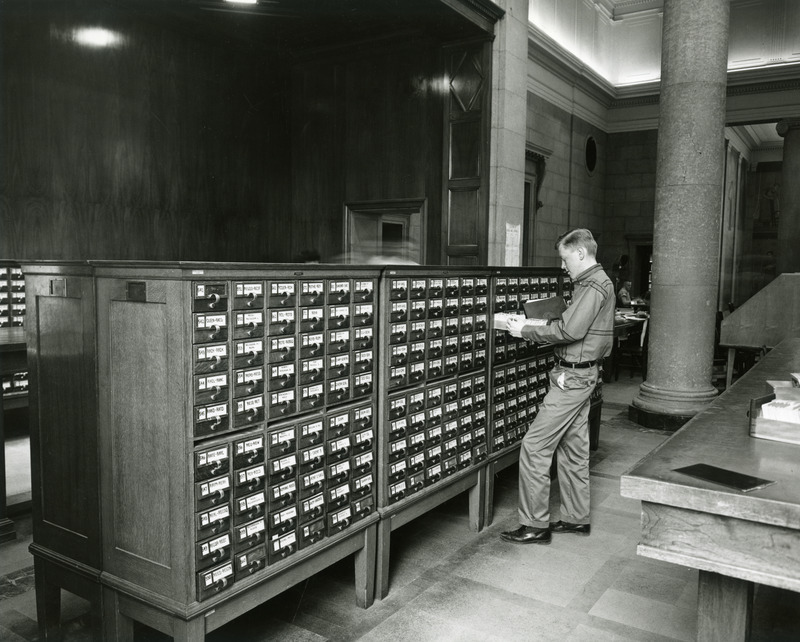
724,608
365,569
729,370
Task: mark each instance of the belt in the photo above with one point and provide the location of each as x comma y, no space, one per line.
582,364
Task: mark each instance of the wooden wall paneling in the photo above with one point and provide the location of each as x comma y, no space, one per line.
467,122
317,164
394,130
171,146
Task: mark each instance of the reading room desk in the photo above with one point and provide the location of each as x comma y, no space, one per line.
735,539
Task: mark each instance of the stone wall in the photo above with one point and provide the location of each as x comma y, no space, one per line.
570,195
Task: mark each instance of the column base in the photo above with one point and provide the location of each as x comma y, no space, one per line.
667,409
655,420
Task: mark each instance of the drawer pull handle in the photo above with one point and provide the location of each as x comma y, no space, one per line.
216,395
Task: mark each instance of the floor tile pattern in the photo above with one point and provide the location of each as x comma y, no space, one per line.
449,584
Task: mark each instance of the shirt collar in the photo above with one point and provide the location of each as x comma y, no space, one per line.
588,272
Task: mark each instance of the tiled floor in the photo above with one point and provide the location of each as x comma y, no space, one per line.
448,583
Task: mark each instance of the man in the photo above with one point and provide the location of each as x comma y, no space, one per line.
583,337
624,295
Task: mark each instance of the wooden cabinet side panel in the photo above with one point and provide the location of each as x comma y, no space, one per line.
141,409
61,355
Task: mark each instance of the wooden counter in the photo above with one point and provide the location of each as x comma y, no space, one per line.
735,539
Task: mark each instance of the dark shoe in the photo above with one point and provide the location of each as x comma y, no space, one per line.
566,527
528,535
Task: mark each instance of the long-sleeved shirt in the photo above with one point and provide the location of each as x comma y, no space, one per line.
586,329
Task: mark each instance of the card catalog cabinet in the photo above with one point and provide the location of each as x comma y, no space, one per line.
12,295
519,372
199,427
435,329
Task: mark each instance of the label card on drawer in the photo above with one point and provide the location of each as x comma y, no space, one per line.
338,291
341,519
249,290
252,531
249,410
311,319
284,543
285,516
282,403
213,521
362,485
252,322
282,293
249,451
216,457
210,321
250,380
363,461
312,533
311,292
313,506
339,316
211,358
249,353
363,291
283,464
362,338
311,370
311,433
212,382
214,486
362,417
250,561
283,491
214,580
282,441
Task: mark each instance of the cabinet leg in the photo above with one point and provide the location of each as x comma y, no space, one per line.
477,501
382,558
365,569
48,602
191,631
116,626
489,510
724,608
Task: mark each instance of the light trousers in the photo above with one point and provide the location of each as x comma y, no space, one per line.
562,426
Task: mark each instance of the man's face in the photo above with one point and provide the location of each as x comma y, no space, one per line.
571,260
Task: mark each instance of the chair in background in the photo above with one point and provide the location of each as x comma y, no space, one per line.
632,353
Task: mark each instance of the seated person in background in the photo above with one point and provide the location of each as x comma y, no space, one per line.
624,295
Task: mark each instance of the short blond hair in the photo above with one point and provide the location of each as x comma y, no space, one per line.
580,237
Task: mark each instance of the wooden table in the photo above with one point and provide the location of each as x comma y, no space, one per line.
622,328
13,358
735,539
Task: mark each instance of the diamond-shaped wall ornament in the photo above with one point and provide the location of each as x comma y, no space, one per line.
467,81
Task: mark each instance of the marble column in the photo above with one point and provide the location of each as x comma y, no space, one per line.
688,206
788,257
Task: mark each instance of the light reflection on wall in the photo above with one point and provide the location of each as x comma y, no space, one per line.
96,37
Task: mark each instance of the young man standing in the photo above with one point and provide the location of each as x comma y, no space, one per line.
582,338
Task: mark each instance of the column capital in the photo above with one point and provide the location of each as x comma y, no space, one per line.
786,124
